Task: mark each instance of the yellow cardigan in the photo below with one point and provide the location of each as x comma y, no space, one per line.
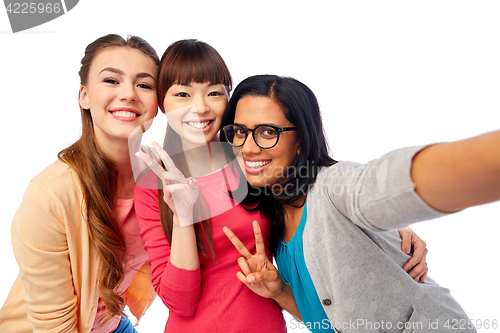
56,289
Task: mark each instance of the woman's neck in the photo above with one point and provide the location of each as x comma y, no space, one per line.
118,153
292,216
125,183
205,159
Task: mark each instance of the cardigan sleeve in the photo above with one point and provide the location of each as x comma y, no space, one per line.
378,195
41,250
179,289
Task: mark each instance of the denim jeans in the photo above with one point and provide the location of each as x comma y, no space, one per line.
125,326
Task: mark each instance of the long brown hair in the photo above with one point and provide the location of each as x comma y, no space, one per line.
98,178
183,62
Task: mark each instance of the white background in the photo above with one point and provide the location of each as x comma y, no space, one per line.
387,74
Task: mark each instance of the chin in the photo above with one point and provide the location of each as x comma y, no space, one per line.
196,140
258,182
254,182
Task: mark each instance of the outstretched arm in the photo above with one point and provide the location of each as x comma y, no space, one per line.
455,175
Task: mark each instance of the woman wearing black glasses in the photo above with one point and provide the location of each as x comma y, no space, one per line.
193,263
333,230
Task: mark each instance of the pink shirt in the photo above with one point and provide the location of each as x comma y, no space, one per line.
136,257
209,298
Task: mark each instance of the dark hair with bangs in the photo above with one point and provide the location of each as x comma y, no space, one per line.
191,60
183,62
301,108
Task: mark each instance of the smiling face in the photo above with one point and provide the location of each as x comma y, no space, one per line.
120,92
264,167
195,111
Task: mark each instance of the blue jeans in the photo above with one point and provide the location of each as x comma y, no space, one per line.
125,326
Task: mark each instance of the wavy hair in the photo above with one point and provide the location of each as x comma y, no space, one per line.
98,178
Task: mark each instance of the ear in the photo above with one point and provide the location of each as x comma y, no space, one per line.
84,98
298,151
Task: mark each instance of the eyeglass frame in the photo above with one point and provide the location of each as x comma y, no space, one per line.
276,128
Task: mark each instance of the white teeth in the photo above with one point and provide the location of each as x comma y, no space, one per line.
198,125
256,164
124,114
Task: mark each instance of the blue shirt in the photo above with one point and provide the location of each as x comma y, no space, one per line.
292,267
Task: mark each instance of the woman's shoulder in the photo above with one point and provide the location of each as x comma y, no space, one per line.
58,179
52,198
336,172
340,165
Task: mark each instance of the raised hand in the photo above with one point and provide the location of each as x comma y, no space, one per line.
260,275
179,193
257,272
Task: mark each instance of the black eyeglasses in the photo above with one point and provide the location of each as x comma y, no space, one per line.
265,136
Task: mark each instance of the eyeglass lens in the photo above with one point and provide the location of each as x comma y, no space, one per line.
265,136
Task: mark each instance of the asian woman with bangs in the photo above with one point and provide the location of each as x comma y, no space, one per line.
191,262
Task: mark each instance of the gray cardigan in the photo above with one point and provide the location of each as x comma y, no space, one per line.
353,251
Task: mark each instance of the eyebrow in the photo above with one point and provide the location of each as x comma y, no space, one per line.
120,72
189,84
144,74
112,69
264,124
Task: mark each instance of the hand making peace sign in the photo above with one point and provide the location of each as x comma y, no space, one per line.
179,193
257,272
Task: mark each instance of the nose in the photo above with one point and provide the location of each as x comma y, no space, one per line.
250,147
128,93
201,105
